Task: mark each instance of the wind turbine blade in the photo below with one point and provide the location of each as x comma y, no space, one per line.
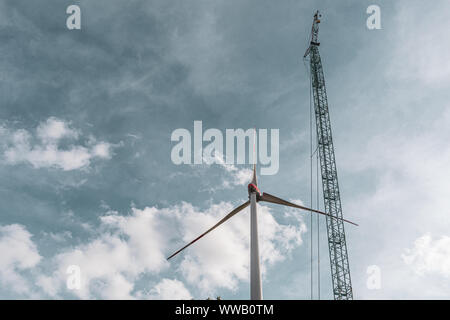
228,216
270,198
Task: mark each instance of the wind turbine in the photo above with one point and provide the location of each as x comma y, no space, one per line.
255,196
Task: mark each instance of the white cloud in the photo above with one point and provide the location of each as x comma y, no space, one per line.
54,129
18,253
102,150
169,289
429,256
48,285
59,236
128,247
221,258
45,151
236,176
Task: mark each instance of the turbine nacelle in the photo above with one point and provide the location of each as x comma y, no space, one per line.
253,188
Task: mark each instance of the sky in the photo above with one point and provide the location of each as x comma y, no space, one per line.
87,179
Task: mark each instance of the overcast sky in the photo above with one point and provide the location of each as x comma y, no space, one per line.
86,118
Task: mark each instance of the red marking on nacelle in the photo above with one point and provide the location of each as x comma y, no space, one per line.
252,187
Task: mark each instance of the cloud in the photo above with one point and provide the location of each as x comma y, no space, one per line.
169,289
236,176
18,253
45,150
54,129
59,236
128,247
221,259
429,256
47,285
102,150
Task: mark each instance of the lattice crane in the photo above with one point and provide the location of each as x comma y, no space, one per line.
340,270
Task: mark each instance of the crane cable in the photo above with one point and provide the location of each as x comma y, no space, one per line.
312,153
311,178
318,222
311,184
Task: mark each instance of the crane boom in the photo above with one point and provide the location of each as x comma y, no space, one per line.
340,270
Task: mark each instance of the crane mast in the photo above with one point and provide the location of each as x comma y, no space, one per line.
340,270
